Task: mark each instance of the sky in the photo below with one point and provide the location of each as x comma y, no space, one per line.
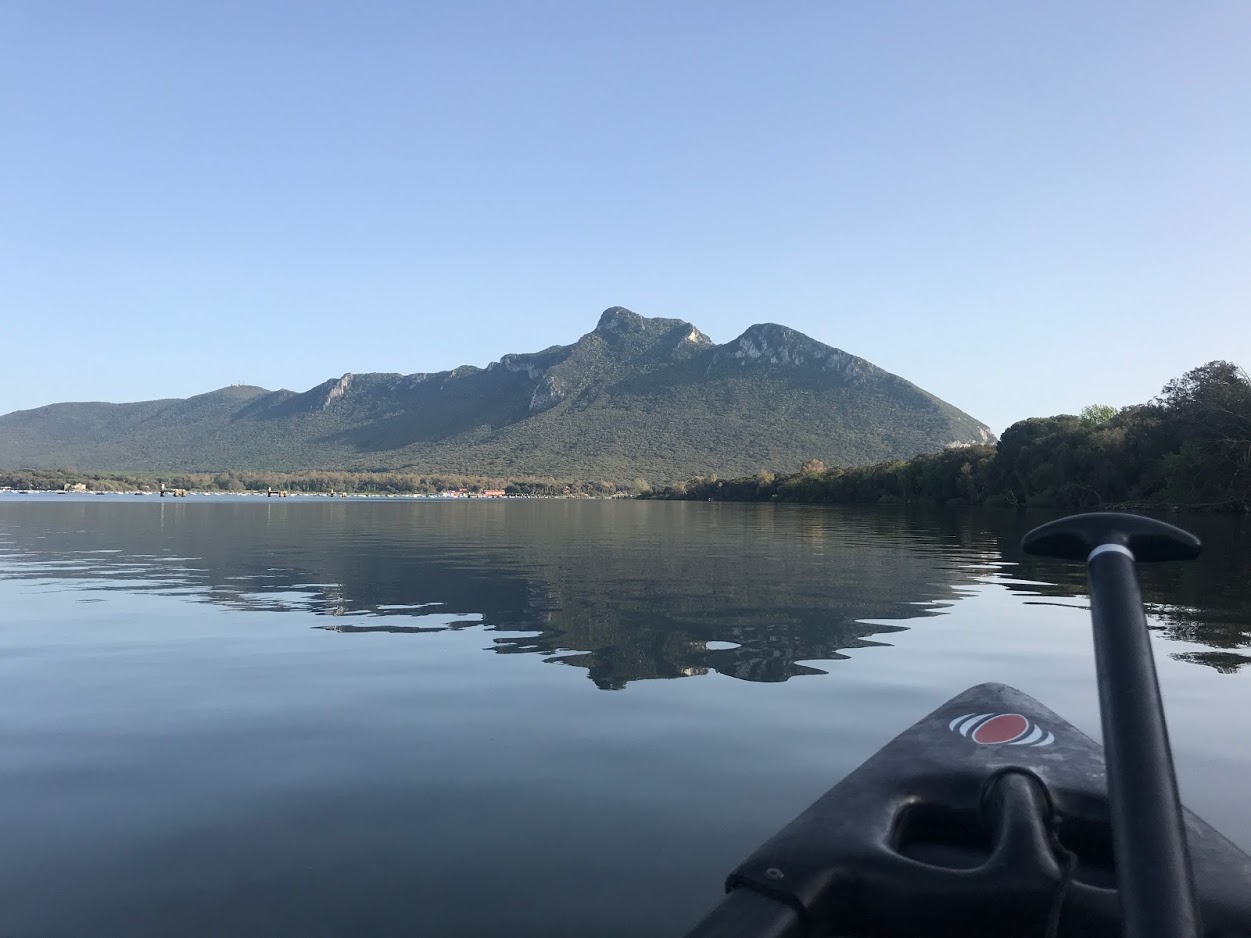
1023,208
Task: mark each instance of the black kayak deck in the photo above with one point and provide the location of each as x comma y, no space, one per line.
987,817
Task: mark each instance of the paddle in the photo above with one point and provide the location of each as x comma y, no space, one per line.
1152,858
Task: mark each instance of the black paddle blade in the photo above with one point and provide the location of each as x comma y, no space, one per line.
1074,537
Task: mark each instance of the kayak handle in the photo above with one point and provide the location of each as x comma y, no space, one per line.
1018,884
1153,868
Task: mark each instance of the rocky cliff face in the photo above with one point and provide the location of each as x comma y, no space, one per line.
337,390
547,394
771,344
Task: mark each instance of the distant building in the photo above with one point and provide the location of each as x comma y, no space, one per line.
75,486
493,493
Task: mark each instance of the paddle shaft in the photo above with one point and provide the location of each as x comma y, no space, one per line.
1152,858
747,914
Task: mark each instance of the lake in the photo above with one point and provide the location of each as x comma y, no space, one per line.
368,717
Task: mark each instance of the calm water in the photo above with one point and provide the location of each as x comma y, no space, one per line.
304,717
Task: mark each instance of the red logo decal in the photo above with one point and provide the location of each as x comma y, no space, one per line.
992,729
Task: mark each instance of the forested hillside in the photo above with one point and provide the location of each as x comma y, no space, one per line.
635,398
1190,446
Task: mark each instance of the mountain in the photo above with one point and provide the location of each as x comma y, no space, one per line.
636,397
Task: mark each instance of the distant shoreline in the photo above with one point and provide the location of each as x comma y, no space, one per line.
1189,449
410,496
311,483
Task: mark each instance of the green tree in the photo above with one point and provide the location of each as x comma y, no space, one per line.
1093,415
1207,416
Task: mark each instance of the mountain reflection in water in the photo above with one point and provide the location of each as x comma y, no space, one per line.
628,591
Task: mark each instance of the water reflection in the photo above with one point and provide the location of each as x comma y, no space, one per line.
1207,602
627,591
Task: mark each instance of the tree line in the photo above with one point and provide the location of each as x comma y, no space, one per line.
373,483
1188,447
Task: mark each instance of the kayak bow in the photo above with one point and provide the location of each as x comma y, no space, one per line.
992,815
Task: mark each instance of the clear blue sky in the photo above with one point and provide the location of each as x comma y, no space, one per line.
1023,208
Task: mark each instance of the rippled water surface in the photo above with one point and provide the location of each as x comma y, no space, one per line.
386,717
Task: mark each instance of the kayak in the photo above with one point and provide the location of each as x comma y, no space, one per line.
987,817
993,816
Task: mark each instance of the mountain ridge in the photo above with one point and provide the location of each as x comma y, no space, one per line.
634,397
